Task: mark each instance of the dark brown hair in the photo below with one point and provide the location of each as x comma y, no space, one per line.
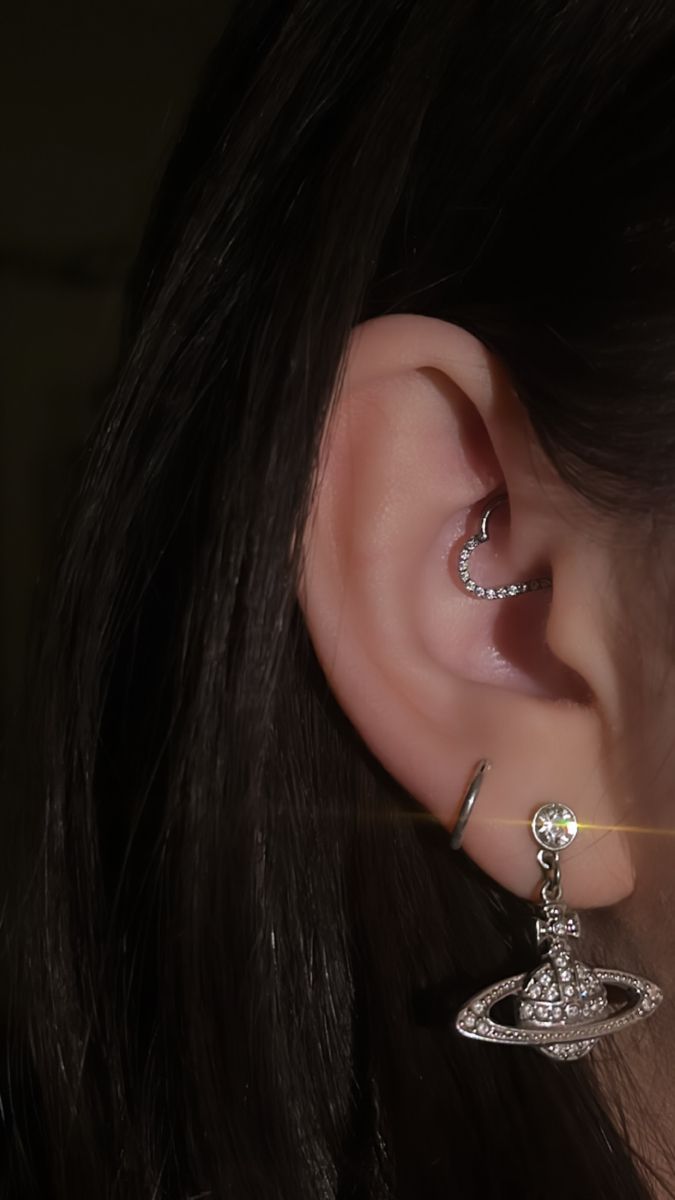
240,953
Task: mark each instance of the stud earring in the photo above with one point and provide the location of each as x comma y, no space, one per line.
492,593
562,1006
470,797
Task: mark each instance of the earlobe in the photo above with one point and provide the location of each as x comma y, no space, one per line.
425,428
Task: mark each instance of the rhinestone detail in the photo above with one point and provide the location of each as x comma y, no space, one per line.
554,826
492,593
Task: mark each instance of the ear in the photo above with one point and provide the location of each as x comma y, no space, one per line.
425,428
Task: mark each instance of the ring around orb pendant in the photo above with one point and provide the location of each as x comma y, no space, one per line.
558,1039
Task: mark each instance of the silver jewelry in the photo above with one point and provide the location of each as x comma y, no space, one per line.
470,797
562,1006
477,589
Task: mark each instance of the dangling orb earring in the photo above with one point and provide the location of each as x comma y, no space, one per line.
477,589
562,1006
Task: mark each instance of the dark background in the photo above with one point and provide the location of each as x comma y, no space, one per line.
92,96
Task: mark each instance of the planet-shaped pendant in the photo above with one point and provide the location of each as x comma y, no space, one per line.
563,1026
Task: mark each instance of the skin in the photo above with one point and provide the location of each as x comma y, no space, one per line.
568,692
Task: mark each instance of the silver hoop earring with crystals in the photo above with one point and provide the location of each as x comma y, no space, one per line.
504,590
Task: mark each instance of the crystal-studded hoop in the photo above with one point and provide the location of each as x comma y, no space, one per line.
562,1007
477,589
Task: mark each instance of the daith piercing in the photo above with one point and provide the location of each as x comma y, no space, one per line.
479,539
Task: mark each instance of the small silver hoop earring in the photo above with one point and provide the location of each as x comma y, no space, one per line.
470,797
477,589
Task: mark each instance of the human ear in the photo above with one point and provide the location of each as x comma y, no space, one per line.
426,427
